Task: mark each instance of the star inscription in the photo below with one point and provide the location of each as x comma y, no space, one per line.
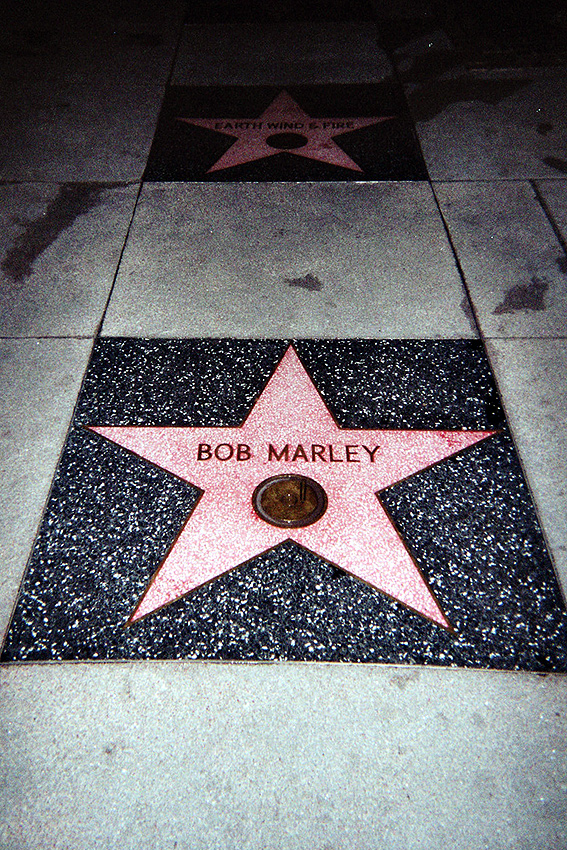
284,126
290,430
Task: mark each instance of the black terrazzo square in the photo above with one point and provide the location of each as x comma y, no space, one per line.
468,521
252,136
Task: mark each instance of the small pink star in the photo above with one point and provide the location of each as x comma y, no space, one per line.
284,126
290,430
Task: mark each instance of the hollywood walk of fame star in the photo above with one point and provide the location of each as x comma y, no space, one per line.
290,430
284,126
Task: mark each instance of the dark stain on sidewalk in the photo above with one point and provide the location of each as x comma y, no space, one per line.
433,98
557,163
309,282
544,127
73,200
524,296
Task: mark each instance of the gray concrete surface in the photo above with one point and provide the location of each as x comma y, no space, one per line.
75,129
554,195
497,124
217,260
127,42
261,54
510,256
59,251
289,756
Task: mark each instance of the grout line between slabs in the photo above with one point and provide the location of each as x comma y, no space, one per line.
129,181
103,181
119,262
140,189
48,336
458,265
496,179
272,662
484,340
523,338
549,215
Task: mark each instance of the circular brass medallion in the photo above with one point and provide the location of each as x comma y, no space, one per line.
289,501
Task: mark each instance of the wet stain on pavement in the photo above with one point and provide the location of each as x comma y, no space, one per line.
430,100
524,296
309,282
544,127
73,200
557,163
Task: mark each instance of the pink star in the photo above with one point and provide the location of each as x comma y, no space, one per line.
284,126
290,430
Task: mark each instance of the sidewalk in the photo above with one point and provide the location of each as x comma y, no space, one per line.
280,248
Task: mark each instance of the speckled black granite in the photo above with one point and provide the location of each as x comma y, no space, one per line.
385,151
468,521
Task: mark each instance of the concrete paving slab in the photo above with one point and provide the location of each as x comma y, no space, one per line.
126,42
247,261
282,53
39,382
510,256
532,377
59,247
244,757
55,129
476,125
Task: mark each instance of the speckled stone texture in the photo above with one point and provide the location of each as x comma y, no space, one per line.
384,151
468,521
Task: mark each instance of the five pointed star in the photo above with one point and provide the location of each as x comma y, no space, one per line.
261,137
354,533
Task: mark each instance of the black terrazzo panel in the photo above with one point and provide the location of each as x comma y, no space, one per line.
468,521
366,383
385,151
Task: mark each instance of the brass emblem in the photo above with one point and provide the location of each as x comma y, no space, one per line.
289,501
